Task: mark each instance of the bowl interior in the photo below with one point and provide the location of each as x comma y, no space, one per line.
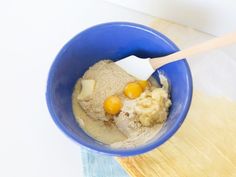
115,41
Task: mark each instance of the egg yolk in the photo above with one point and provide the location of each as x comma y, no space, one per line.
112,105
133,90
143,84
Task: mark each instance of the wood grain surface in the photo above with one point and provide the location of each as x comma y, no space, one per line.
205,145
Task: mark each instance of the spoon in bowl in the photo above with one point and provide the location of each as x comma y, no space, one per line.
143,68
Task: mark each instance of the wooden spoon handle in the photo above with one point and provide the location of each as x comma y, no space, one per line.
196,49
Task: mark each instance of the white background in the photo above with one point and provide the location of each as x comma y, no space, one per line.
211,16
31,34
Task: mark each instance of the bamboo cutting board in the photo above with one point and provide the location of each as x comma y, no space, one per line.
205,145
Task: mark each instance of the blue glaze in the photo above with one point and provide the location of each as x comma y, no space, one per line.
115,41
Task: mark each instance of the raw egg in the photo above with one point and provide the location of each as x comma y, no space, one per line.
143,84
133,90
112,104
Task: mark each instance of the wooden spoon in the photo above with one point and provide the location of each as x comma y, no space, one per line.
143,68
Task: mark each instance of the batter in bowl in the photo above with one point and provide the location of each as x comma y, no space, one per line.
117,109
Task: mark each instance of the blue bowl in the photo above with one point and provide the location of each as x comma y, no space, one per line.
115,41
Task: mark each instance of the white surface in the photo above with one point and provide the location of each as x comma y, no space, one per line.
211,16
31,34
140,68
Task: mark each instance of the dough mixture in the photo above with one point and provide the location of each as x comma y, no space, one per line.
116,108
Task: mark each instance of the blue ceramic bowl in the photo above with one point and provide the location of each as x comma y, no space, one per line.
115,41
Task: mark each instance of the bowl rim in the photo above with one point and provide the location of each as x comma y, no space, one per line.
122,152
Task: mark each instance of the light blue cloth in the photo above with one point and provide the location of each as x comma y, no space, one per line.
98,165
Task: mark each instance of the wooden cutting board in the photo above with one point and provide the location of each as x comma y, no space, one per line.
205,145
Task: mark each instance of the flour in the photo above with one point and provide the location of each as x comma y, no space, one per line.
110,79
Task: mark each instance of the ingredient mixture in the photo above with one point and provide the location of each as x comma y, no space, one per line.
116,108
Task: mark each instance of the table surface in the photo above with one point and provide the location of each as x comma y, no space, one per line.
31,33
